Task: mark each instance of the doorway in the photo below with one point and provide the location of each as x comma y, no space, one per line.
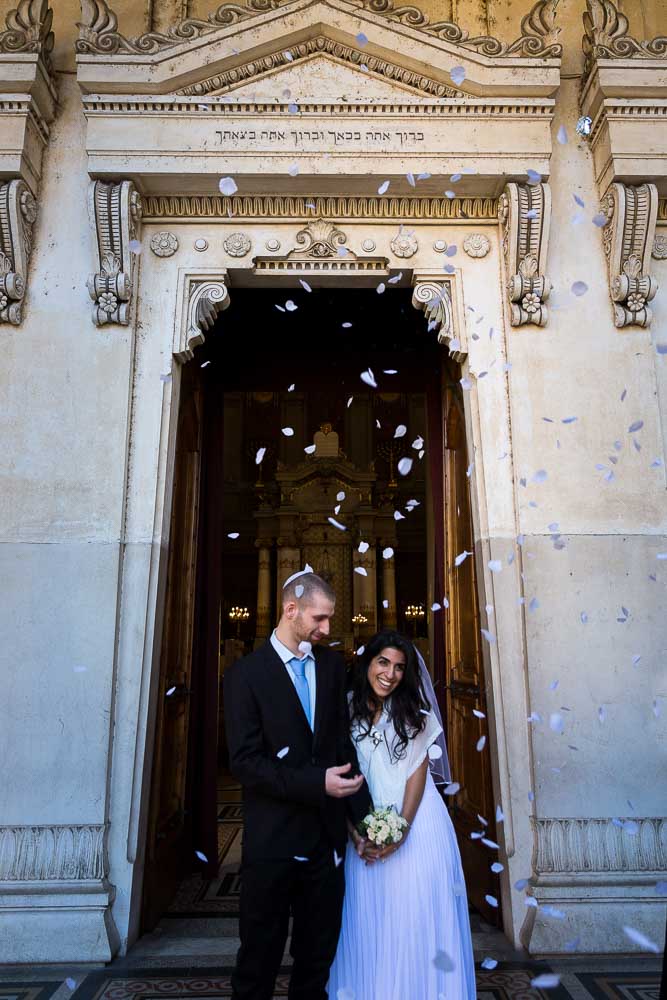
278,432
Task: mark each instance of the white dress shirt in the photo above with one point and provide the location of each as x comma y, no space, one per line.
286,655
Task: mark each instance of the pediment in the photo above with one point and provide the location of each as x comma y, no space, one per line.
235,35
326,72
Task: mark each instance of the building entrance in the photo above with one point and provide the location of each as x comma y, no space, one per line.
309,423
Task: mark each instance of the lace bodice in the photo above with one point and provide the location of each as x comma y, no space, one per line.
386,774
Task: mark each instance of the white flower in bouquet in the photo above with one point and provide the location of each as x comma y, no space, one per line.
383,826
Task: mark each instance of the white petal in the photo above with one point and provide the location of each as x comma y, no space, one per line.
363,547
359,569
336,524
260,455
232,534
282,753
227,186
404,466
288,431
388,552
383,187
400,431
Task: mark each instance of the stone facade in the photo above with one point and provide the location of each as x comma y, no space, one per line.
113,138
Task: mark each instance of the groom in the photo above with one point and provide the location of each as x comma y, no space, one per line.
289,745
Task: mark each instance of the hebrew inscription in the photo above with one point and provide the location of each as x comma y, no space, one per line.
300,138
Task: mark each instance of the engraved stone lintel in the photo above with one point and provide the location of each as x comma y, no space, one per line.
52,853
116,212
206,298
628,240
524,212
434,297
18,210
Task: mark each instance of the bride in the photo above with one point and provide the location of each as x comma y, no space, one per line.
406,932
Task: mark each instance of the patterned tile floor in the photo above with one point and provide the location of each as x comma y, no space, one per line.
191,953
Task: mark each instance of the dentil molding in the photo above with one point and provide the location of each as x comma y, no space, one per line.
115,210
524,212
52,853
628,240
18,211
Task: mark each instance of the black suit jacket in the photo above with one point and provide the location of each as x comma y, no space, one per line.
286,810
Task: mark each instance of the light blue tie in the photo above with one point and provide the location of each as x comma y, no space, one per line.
301,684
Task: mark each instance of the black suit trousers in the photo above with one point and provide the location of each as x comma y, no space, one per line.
309,891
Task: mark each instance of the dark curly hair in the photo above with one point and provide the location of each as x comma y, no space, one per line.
408,701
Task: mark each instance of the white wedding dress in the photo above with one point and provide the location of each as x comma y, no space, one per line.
406,932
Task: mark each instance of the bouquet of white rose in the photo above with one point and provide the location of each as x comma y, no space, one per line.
383,826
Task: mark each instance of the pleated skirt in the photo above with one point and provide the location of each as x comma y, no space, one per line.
406,932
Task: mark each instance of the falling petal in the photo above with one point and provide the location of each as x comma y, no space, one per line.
389,371
400,431
349,401
636,426
171,691
293,169
346,326
362,39
500,815
232,534
584,617
540,476
451,250
359,569
495,565
489,636
380,288
260,455
490,843
531,901
452,788
481,743
336,524
480,715
492,901
443,962
369,378
534,604
298,590
305,647
305,285
310,449
282,753
497,868
297,858
562,135
288,431
436,607
434,752
293,108
489,963
388,552
457,75
360,651
579,288
461,557
227,186
411,179
545,981
385,604
398,516
600,220
292,387
201,856
404,466
383,187
363,547
556,722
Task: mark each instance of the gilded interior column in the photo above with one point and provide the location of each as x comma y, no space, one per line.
367,589
263,626
389,593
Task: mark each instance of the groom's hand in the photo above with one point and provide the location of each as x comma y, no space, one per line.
339,787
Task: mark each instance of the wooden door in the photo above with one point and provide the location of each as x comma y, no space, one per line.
167,850
464,668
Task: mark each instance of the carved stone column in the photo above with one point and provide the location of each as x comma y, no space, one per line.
289,561
116,213
524,212
389,619
18,210
628,241
263,619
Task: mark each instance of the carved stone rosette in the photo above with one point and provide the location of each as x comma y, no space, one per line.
524,212
18,210
435,299
628,242
116,211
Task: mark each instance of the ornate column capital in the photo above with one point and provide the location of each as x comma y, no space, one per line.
628,239
115,210
524,213
18,210
438,299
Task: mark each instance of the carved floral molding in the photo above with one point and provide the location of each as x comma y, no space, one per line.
628,240
51,853
291,54
116,212
158,207
99,34
28,29
320,248
18,211
524,212
606,36
637,844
